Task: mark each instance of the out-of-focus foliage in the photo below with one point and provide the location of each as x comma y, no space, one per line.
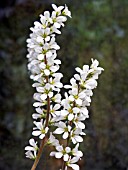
98,29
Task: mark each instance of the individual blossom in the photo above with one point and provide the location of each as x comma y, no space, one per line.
30,155
40,130
54,109
62,129
32,149
40,113
72,163
52,140
75,152
45,91
61,152
75,135
76,96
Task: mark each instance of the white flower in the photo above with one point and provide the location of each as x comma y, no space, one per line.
57,9
62,152
52,140
46,90
57,98
83,73
73,84
66,11
62,128
76,152
30,155
75,136
40,113
71,163
33,146
55,82
66,102
77,121
40,130
76,96
84,112
31,150
54,110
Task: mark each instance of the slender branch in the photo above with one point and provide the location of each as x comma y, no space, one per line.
48,110
39,154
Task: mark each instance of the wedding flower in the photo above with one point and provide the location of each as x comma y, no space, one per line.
52,140
72,163
40,130
33,146
61,152
31,150
62,128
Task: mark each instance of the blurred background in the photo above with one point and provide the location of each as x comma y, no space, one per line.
98,29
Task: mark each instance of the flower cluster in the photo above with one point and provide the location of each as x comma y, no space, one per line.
43,67
74,111
65,115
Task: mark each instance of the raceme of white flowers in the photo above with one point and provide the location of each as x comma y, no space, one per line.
66,115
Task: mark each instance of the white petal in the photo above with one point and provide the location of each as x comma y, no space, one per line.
58,84
81,95
58,155
68,149
76,110
74,166
65,135
70,117
43,96
57,106
54,7
67,86
74,159
77,76
71,98
46,72
36,133
48,54
78,70
50,94
79,102
52,153
54,68
81,125
78,138
37,104
29,148
59,148
42,136
66,156
58,131
32,142
36,116
57,61
79,154
40,57
62,125
56,25
46,129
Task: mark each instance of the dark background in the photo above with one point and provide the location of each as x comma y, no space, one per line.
98,29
